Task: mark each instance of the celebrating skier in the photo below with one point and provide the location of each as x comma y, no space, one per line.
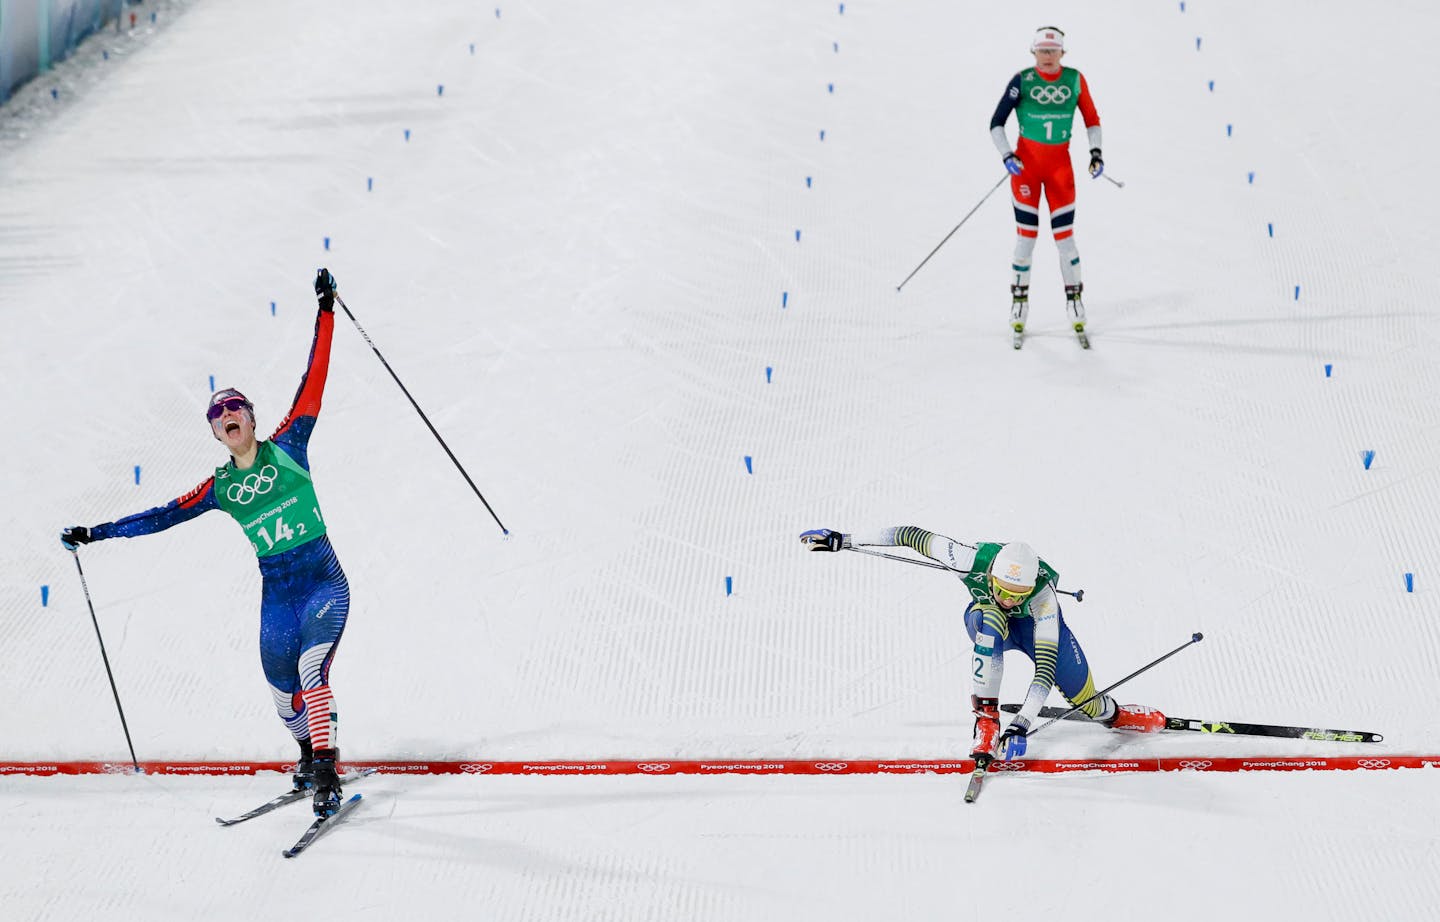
1044,99
305,597
1013,606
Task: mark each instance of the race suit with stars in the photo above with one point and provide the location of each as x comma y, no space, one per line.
305,598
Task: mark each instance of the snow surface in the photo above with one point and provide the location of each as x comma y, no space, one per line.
576,264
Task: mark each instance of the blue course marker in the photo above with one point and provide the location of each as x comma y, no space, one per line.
797,235
1182,6
822,134
768,370
784,298
497,12
472,47
440,89
749,465
830,87
272,308
1297,292
1327,370
369,183
1270,229
1251,177
45,593
105,55
1212,86
327,243
137,475
1197,43
407,134
837,47
1409,582
729,584
54,93
1368,457
1229,131
212,384
842,9
807,181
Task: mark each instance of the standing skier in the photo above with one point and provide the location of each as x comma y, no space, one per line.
1013,607
1044,99
305,597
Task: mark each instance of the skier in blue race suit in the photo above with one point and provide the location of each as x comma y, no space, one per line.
305,597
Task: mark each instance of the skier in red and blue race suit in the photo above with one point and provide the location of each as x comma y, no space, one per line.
1044,99
305,598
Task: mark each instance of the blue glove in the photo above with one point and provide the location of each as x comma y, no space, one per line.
1097,166
71,538
823,539
1012,741
325,289
1013,165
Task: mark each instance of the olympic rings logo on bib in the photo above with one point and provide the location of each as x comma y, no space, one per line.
257,484
1046,95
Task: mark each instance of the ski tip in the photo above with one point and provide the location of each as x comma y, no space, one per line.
1196,637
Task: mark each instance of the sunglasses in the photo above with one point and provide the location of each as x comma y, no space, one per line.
234,405
1007,595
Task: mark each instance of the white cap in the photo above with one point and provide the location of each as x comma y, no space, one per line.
1048,37
1016,565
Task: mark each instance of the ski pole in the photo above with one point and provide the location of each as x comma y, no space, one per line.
456,460
1078,595
1114,180
1194,639
113,690
952,231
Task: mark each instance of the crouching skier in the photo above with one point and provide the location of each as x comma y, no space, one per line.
1013,606
305,597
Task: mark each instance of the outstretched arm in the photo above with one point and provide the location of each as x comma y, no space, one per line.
953,554
201,499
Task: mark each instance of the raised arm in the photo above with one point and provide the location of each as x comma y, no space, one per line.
294,431
183,509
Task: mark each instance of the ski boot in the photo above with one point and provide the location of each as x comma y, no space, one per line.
326,801
1019,309
987,730
1075,308
1136,717
303,778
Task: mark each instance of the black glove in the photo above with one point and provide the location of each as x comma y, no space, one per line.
325,289
1097,166
823,539
71,538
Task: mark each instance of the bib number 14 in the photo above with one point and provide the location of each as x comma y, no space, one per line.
281,533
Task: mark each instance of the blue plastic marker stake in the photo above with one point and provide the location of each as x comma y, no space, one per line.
137,475
1182,6
842,9
327,243
272,308
784,299
440,89
497,12
45,592
1229,130
1270,229
1327,370
1250,177
1212,86
768,370
837,47
1297,292
369,183
822,134
407,134
1368,456
749,465
1197,43
105,55
729,584
212,384
472,47
830,87
54,93
1409,582
807,182
152,15
797,234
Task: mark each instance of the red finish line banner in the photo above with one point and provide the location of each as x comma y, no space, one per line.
753,767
